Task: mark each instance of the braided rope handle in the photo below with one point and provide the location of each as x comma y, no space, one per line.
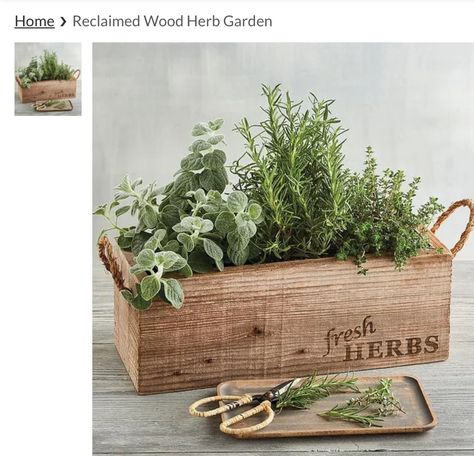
469,227
106,254
265,407
237,402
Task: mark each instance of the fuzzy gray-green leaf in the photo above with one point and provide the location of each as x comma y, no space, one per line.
212,249
200,129
146,258
187,241
237,201
200,145
150,286
225,222
174,292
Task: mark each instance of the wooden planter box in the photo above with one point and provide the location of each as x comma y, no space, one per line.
285,319
48,90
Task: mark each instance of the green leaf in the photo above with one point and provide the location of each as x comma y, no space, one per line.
192,162
146,259
138,242
124,242
213,180
212,161
137,269
179,264
160,234
225,222
139,302
172,245
199,261
186,271
237,201
152,244
200,129
247,229
170,215
100,210
238,256
121,210
200,196
127,295
150,286
125,185
254,210
187,241
149,216
174,292
216,124
166,259
199,145
184,183
212,249
206,226
215,139
220,154
238,240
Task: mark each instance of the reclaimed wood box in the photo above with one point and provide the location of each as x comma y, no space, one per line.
48,90
286,319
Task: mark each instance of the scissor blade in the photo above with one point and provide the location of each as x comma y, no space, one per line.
274,393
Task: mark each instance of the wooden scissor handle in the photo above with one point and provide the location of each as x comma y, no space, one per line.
237,402
265,406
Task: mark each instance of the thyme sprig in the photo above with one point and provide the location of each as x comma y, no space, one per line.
369,408
314,388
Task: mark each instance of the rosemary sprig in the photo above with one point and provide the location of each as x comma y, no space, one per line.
353,413
377,401
315,388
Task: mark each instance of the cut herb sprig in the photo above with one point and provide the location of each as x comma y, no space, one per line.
369,408
314,388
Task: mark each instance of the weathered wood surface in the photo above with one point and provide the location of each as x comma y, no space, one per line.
286,320
47,90
125,423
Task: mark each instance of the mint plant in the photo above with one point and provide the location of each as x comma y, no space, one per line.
182,229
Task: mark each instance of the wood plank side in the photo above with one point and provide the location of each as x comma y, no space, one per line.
126,324
288,319
48,90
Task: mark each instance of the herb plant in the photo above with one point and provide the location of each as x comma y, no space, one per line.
369,408
314,388
183,228
293,199
46,67
312,204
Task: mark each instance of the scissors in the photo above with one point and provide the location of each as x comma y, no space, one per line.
263,404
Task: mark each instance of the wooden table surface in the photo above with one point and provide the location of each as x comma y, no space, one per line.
128,424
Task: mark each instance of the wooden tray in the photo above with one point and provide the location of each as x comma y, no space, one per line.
419,415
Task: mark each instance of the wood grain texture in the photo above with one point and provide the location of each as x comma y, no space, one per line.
128,424
47,90
287,319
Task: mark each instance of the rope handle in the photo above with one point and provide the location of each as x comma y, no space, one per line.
78,74
469,227
237,402
106,254
265,407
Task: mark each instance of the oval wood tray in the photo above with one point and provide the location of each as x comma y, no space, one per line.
419,416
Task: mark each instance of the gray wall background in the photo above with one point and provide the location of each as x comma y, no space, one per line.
414,103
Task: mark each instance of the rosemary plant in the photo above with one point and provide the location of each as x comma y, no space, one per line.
293,167
315,388
369,408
